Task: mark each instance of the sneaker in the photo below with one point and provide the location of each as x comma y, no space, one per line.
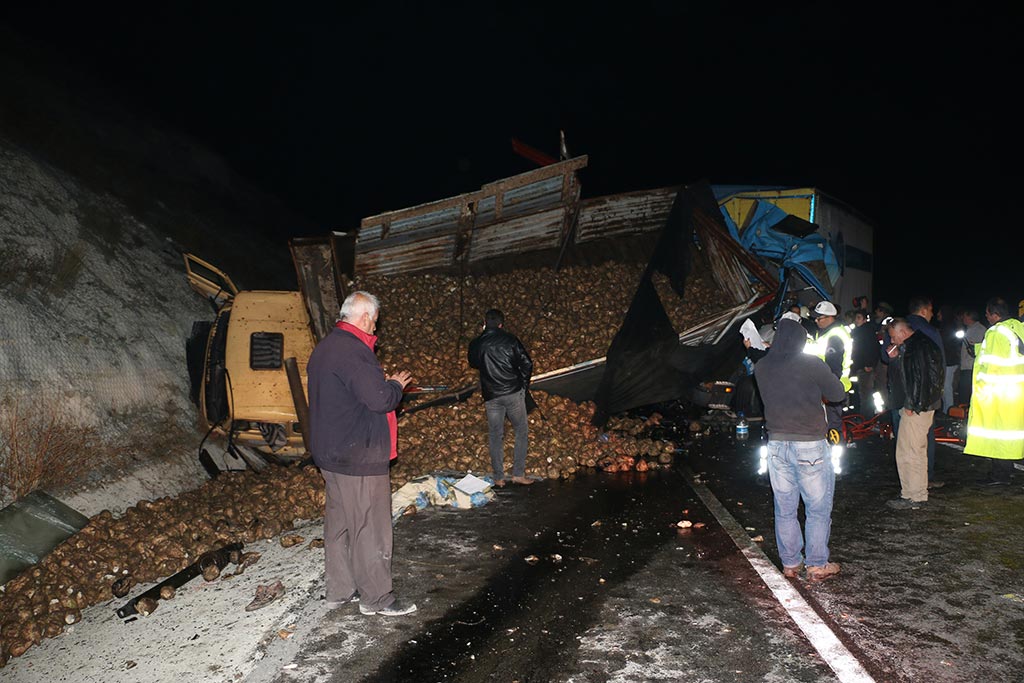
335,604
906,504
792,572
395,609
827,570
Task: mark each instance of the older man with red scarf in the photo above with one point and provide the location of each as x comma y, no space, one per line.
353,436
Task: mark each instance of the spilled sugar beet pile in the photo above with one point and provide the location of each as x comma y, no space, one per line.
564,317
150,541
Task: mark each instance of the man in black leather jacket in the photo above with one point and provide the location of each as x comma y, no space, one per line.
505,369
921,371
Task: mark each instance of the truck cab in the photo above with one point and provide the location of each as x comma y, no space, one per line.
237,362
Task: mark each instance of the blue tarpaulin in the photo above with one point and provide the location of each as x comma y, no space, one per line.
789,251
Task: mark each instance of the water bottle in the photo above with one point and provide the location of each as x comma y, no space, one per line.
742,429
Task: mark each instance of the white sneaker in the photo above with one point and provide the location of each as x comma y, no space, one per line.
395,609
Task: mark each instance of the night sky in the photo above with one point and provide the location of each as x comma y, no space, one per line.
909,117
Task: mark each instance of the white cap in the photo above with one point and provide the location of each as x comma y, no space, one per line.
825,308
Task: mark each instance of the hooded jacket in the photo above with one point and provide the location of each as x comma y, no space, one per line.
793,385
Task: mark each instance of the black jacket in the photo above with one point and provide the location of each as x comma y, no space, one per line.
793,385
923,372
505,366
866,349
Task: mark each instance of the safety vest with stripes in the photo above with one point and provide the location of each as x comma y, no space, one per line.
819,348
995,421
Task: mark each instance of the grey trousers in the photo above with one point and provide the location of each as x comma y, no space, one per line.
358,538
512,406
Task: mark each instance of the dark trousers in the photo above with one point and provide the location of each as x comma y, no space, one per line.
358,538
512,406
966,386
1000,469
834,416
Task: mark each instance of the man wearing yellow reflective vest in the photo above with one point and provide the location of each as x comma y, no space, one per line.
834,345
995,421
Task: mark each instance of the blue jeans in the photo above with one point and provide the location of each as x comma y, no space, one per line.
947,387
514,407
802,470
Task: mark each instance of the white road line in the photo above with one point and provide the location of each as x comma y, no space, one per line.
821,637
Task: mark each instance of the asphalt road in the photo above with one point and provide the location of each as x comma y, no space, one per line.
592,579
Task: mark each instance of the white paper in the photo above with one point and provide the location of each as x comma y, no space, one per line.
749,331
471,484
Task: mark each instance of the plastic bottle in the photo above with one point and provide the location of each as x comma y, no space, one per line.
742,428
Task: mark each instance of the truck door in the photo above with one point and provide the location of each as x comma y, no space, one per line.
323,267
209,281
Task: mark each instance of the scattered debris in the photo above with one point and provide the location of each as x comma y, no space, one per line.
288,540
265,595
532,559
315,543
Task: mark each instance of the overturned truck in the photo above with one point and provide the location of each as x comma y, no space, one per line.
624,301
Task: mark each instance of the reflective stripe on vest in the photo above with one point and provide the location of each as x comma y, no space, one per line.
996,416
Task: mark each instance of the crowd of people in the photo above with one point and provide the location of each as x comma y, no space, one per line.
925,361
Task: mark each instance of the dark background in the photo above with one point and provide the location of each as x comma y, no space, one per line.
910,118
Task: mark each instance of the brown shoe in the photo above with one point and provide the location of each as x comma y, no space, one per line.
826,571
524,481
499,483
792,572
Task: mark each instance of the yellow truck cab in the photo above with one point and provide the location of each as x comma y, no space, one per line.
237,362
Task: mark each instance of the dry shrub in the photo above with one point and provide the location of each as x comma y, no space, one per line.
42,448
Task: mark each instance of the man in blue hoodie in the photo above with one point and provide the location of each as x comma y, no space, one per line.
794,388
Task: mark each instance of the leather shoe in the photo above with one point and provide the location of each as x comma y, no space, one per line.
935,484
792,572
827,570
523,481
906,504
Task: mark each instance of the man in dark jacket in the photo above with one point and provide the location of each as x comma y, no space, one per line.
920,375
353,437
793,387
866,356
920,315
505,369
